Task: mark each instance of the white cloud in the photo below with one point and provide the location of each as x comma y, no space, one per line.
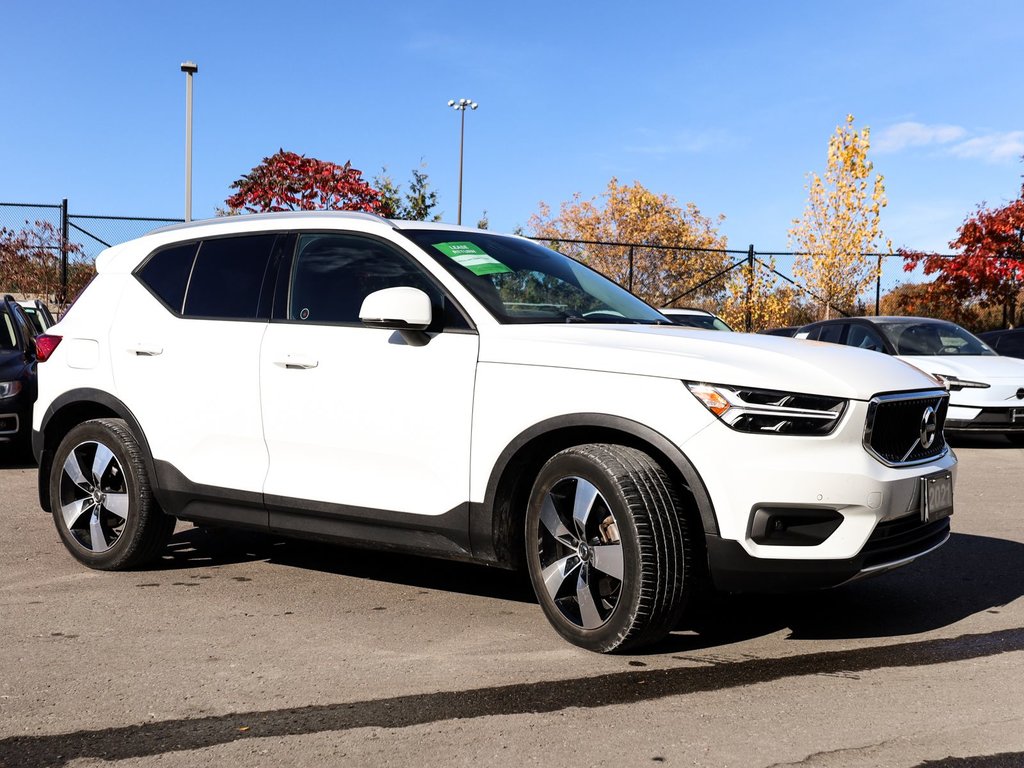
902,135
994,147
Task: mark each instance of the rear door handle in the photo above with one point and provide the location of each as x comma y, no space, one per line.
145,350
297,362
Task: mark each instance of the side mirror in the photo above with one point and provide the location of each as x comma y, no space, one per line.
403,309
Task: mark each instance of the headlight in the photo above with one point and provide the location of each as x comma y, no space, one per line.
955,384
9,388
768,411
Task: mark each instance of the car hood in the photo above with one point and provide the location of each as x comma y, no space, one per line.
742,359
986,368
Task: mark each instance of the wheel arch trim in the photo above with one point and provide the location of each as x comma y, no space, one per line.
491,520
100,404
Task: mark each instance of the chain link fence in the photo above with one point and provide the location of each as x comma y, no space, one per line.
702,282
72,240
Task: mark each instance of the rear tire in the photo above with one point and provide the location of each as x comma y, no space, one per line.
608,548
101,499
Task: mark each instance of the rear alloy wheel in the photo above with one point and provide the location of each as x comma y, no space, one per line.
608,548
101,500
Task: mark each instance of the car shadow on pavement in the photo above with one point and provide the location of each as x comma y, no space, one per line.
969,575
15,459
206,547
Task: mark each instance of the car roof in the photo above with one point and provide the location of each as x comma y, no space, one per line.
879,320
998,333
283,218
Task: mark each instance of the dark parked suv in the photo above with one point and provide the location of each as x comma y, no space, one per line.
17,375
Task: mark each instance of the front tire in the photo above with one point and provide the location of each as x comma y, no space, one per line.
101,499
608,547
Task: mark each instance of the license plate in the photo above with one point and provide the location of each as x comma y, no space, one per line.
936,496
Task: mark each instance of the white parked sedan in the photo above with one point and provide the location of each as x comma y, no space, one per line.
986,389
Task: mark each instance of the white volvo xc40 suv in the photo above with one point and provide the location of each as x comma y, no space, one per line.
453,392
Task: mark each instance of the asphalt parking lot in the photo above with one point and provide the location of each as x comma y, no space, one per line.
249,650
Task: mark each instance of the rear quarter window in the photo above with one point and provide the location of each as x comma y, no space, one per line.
165,274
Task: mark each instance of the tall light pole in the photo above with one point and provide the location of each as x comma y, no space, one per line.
462,105
189,68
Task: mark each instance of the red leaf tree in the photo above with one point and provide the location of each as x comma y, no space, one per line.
30,263
291,182
989,267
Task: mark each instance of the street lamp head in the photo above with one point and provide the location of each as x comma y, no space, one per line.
462,104
190,67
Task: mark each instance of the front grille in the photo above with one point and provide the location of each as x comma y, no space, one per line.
896,540
906,428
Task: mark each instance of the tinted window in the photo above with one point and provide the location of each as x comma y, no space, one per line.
1012,344
831,333
865,338
166,273
912,337
227,278
332,274
8,337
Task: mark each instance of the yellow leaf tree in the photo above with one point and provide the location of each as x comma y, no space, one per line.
655,248
841,223
756,291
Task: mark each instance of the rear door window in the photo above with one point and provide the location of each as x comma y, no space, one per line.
864,338
832,333
228,277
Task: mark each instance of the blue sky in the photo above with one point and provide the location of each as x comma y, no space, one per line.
725,104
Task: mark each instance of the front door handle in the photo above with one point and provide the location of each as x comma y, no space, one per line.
297,362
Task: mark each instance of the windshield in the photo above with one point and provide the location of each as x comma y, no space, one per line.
522,282
933,338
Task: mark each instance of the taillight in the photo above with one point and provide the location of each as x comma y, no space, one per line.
45,344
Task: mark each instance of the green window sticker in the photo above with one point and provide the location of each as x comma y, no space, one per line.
472,258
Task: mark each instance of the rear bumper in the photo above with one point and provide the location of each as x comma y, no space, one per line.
892,544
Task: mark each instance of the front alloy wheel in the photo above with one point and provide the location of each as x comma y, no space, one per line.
580,552
608,547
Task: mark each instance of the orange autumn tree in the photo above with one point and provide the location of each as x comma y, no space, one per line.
670,242
841,223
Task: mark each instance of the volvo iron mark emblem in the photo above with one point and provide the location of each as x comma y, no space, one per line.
929,426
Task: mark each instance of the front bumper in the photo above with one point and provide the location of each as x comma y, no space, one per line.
893,543
986,420
15,420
